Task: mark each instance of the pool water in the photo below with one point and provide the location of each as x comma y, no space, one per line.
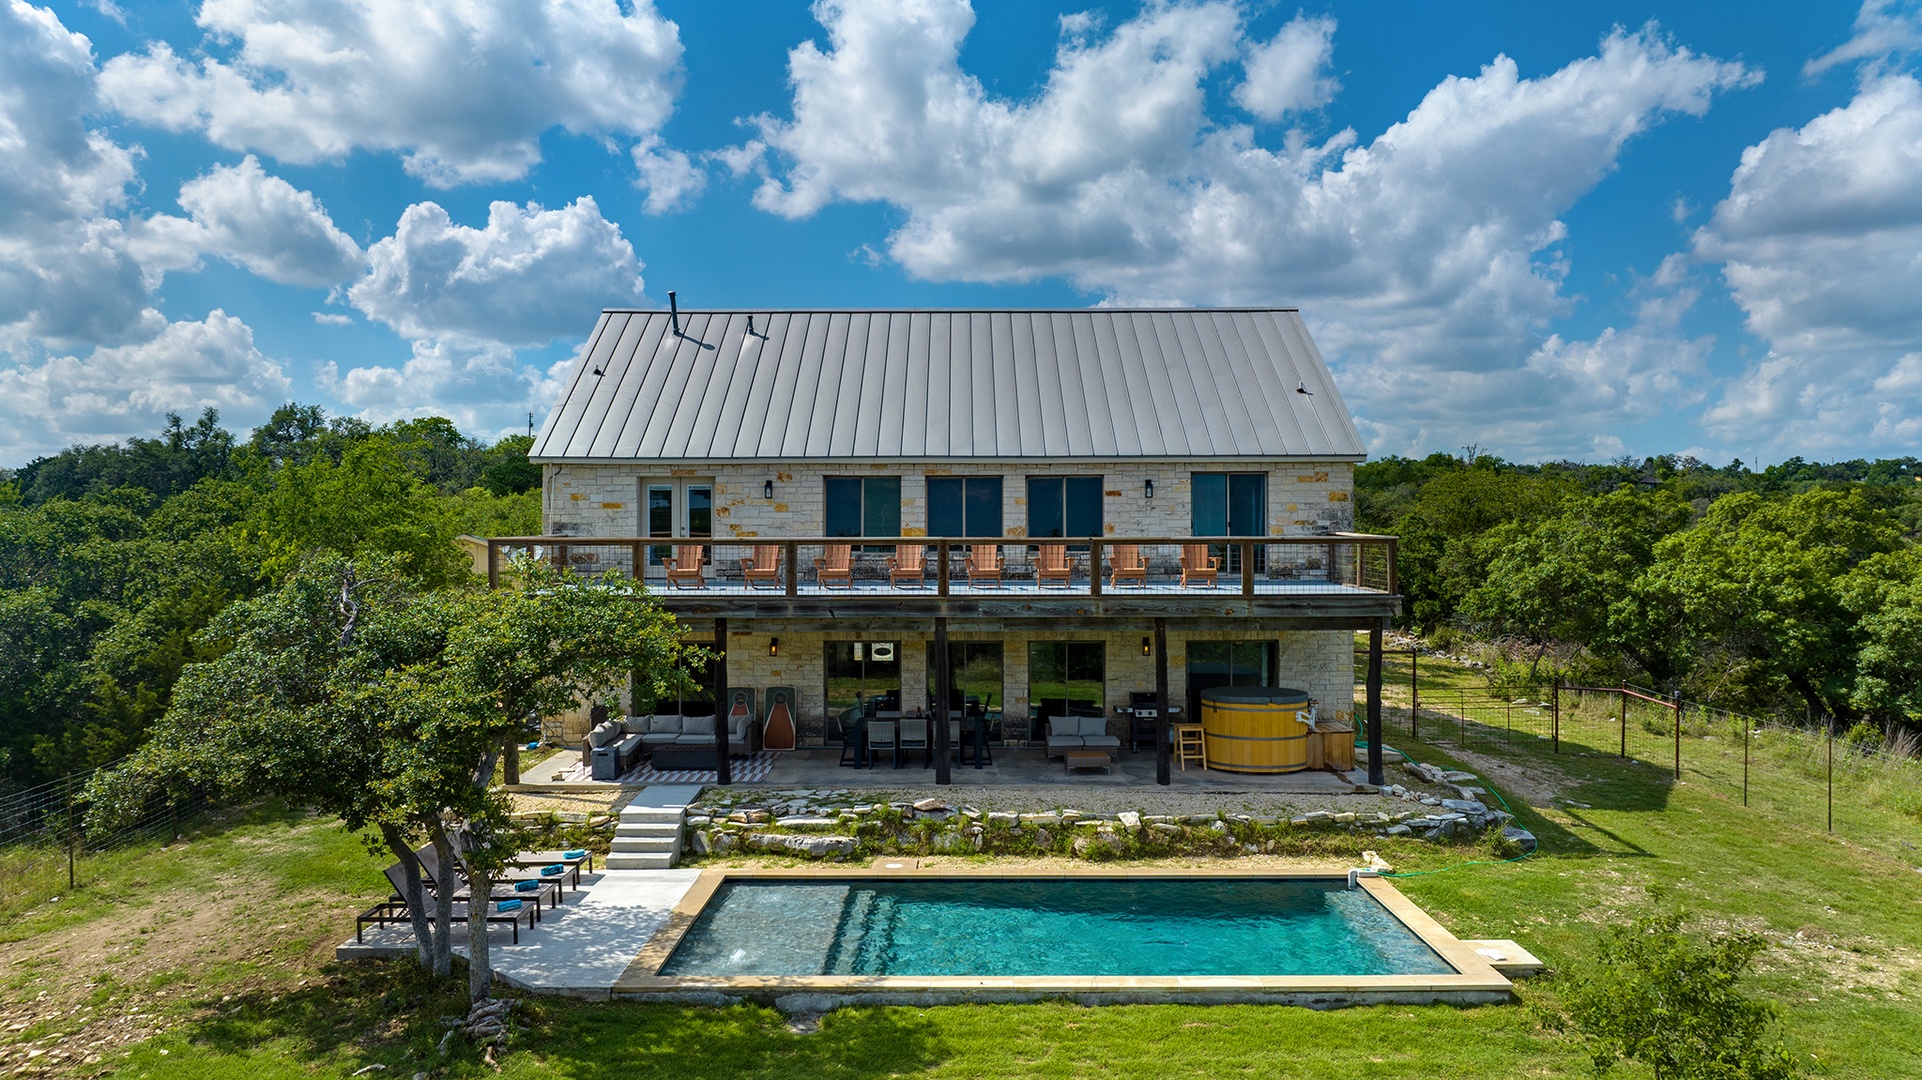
1098,926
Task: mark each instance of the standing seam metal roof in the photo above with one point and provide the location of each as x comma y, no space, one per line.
1098,383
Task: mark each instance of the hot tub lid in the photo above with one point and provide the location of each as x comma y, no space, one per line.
1255,695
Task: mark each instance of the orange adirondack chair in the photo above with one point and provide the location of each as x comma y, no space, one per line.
1127,565
835,565
984,564
684,567
1197,565
1051,564
909,564
763,567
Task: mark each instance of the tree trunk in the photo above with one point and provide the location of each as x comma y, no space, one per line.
480,967
444,904
425,938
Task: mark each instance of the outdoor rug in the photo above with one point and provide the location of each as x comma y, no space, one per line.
750,769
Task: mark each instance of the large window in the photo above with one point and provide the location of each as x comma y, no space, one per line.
1227,663
964,506
1064,506
860,675
1232,504
1067,678
864,506
976,670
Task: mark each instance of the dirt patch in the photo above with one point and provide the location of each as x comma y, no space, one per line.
1537,784
75,994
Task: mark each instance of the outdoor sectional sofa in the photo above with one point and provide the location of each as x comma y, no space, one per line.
1067,733
621,743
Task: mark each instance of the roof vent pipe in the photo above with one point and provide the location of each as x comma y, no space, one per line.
674,312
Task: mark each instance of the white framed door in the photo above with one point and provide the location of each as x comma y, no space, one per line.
674,509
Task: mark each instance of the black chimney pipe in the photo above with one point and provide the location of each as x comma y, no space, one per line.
674,312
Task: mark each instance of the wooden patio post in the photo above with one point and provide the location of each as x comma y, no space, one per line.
942,774
1162,776
723,773
1375,774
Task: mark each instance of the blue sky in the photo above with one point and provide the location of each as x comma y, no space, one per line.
1547,230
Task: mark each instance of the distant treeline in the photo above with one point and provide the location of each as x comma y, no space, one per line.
115,560
1796,588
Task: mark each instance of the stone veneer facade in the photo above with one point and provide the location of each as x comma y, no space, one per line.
1304,498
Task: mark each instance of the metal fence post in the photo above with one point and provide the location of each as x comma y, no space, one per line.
1621,704
1676,698
1745,732
1555,712
1414,689
1830,726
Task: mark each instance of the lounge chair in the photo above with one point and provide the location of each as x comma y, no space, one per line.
505,879
432,885
395,911
1051,564
684,567
1197,565
984,565
1127,565
909,564
763,567
833,565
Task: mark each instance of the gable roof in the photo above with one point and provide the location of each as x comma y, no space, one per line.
1099,383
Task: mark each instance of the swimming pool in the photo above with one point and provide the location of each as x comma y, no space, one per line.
1013,927
815,938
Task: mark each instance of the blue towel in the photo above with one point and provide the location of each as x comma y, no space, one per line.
574,853
535,745
508,905
526,886
550,871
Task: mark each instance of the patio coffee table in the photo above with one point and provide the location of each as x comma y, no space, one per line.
1087,759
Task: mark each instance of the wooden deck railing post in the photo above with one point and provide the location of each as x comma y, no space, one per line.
1247,567
941,568
493,564
637,569
793,556
1094,567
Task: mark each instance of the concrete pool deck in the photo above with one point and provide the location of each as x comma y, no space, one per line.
611,940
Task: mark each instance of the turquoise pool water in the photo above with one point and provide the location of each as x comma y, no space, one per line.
1111,926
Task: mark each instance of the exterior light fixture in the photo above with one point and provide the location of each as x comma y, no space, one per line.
774,646
1147,647
1148,489
767,489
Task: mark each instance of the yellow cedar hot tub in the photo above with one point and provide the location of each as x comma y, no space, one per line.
1255,729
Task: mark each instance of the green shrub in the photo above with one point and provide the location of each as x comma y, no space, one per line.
1658,998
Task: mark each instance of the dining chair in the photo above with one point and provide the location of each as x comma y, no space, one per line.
883,736
914,736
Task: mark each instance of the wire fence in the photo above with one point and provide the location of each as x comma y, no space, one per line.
46,847
1866,790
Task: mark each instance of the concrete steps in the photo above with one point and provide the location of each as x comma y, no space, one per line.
648,835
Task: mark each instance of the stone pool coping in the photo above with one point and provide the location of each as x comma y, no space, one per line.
1475,980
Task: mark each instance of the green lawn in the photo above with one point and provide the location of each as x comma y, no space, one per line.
1620,838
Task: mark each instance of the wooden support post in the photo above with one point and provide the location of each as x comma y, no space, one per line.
1414,689
941,568
793,556
1247,567
1555,708
723,772
493,565
942,674
1162,747
1375,774
1675,700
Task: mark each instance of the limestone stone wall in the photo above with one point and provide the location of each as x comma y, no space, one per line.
604,500
1320,662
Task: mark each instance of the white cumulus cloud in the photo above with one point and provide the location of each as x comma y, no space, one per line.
530,276
463,90
116,392
1820,243
261,222
1288,73
484,389
671,180
1427,260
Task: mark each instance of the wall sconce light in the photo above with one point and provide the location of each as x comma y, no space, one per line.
767,489
774,646
1147,647
1148,489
